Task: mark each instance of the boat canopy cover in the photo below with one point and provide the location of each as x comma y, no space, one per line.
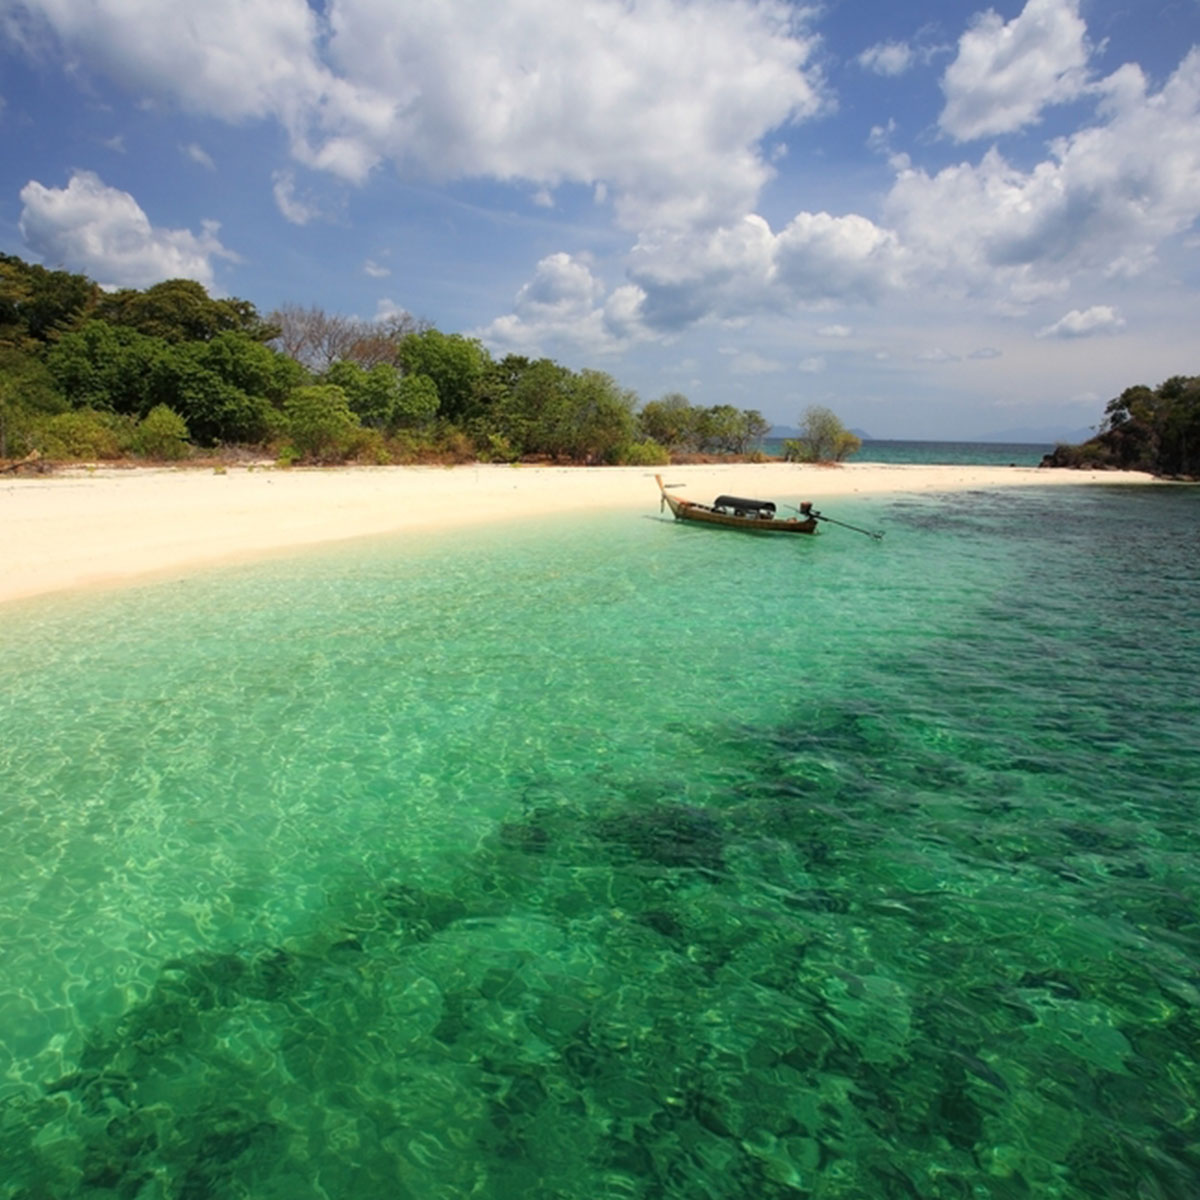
745,505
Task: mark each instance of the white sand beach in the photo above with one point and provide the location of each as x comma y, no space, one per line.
106,526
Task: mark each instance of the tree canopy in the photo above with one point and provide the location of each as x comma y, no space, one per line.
1145,429
36,304
822,438
180,310
168,369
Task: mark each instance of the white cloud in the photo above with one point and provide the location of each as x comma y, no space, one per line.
835,331
564,304
103,232
664,101
935,354
987,233
812,366
1099,319
887,58
736,270
985,352
746,362
1104,199
376,270
293,209
199,155
388,309
1005,74
823,257
562,288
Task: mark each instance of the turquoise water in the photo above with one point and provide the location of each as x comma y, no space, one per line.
983,454
617,859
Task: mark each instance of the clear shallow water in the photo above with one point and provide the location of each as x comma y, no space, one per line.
617,860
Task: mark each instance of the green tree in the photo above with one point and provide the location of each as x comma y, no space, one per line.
249,365
720,429
27,394
823,438
216,410
320,422
102,366
36,305
671,421
181,310
1146,429
534,418
456,364
416,403
599,418
384,399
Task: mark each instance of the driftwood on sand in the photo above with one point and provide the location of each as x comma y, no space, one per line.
32,461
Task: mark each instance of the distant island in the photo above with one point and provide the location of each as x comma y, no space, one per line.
1144,429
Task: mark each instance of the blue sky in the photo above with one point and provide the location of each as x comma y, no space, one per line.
939,219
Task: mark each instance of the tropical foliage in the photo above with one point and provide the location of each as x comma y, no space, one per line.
170,371
1145,429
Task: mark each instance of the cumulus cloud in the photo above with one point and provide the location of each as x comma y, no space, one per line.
668,111
739,269
1089,322
103,232
564,304
664,102
1006,73
1101,202
822,257
1104,199
376,270
887,58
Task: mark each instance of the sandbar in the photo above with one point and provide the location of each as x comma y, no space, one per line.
83,528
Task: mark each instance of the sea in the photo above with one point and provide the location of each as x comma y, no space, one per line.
607,858
986,454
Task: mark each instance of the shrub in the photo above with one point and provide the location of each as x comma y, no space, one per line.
369,446
320,423
647,453
452,445
84,434
162,433
495,447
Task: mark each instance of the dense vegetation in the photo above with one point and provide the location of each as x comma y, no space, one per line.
169,372
1145,429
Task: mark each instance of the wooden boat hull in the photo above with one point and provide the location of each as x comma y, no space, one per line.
703,514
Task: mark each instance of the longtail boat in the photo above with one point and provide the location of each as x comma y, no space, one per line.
736,512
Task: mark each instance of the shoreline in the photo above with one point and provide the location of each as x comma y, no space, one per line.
91,528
